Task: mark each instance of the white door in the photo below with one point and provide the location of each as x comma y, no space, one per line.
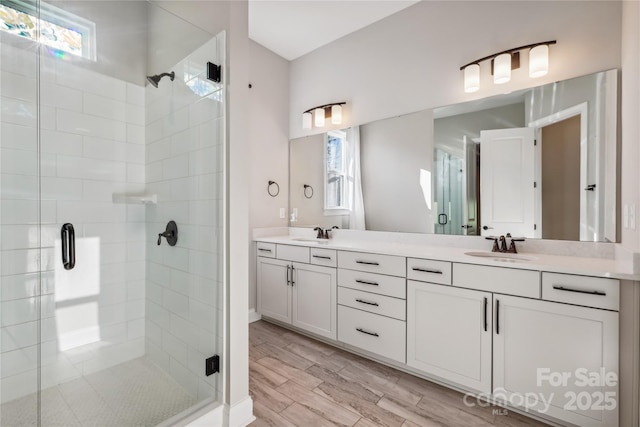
449,333
536,343
274,290
314,299
507,193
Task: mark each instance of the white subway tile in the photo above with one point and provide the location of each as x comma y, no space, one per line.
135,309
136,290
209,187
176,121
112,314
177,211
83,168
18,112
135,329
153,332
184,188
176,167
135,94
153,172
203,315
18,162
175,347
19,137
61,189
20,361
112,253
175,303
18,385
17,236
154,292
135,153
19,336
85,124
135,134
54,95
47,117
18,86
184,142
61,143
158,150
204,110
17,60
135,173
108,233
135,270
184,377
158,315
135,114
188,332
202,161
107,108
154,131
48,164
104,149
136,250
19,311
79,212
59,371
74,76
23,187
180,281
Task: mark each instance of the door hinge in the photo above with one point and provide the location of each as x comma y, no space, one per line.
535,184
535,226
535,142
212,365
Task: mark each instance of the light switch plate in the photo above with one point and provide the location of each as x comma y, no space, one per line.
625,216
282,213
632,216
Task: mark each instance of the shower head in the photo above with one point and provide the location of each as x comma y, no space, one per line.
154,80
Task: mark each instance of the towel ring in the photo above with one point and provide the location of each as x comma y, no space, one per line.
308,196
269,188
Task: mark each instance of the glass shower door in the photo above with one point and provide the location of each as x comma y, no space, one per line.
103,321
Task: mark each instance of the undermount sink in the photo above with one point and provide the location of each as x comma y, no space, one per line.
310,240
501,256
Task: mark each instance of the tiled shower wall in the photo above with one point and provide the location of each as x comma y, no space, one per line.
92,144
184,167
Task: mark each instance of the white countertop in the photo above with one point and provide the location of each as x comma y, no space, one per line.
600,267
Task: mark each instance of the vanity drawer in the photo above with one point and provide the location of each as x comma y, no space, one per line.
293,253
581,290
267,250
373,263
326,257
373,303
370,282
508,281
426,270
378,334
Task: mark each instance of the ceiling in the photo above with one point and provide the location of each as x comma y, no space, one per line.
292,28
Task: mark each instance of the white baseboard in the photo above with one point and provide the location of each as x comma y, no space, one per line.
254,316
240,414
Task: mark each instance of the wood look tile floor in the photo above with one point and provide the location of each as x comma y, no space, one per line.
297,381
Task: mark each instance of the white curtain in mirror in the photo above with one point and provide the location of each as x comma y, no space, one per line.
354,189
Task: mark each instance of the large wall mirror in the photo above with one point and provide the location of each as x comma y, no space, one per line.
538,163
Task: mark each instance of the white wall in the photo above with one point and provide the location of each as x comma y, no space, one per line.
268,127
93,315
410,61
630,94
184,168
393,153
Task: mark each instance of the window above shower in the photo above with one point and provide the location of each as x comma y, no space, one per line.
61,31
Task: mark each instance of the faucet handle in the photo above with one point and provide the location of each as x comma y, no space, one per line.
320,234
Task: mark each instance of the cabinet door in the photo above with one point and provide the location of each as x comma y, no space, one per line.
274,292
544,350
314,299
449,333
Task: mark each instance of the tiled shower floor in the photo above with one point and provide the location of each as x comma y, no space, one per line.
135,393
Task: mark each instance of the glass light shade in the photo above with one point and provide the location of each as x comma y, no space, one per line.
472,78
306,121
502,68
319,117
539,61
336,114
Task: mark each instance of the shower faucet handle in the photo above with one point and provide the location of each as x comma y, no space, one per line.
170,233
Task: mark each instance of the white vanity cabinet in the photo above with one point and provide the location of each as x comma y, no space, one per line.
301,294
544,350
449,333
372,303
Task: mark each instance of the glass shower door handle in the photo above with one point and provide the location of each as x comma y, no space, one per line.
68,236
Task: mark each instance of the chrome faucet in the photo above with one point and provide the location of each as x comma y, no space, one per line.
502,246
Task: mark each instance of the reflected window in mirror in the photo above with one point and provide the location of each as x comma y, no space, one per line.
335,170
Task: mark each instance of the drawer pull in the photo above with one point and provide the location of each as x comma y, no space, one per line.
367,262
426,270
486,301
367,332
580,291
364,282
264,250
288,280
498,317
293,283
367,302
322,257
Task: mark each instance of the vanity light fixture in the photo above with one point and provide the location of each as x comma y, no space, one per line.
503,62
316,116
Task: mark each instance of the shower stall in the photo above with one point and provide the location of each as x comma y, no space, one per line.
112,125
